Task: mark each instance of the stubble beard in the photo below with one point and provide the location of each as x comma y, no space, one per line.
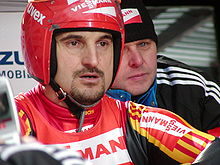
87,95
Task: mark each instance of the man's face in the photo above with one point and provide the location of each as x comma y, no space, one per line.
137,70
85,64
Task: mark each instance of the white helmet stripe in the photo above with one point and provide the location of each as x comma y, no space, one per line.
103,10
71,1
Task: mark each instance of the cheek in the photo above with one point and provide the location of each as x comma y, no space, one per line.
119,79
65,68
151,60
63,74
106,65
66,61
122,68
152,67
154,62
108,74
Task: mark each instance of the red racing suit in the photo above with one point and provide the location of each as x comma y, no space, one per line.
114,132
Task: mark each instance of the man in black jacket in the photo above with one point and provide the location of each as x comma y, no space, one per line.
159,81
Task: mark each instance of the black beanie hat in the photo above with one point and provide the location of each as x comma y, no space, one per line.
138,23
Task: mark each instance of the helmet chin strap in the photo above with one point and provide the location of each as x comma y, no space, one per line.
75,107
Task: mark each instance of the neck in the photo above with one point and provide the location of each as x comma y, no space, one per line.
52,96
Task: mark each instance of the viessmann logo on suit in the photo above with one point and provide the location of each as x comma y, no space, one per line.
107,148
164,124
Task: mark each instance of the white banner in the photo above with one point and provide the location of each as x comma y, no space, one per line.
11,61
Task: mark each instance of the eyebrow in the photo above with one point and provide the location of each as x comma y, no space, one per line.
106,36
71,36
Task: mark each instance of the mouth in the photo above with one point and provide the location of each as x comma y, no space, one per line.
137,76
89,78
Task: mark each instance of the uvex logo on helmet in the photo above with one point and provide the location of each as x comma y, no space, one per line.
131,16
37,15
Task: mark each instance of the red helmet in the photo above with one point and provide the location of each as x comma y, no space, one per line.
42,17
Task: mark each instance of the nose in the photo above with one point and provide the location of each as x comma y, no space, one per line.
90,57
135,58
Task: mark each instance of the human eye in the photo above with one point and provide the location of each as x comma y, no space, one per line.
145,44
70,40
72,43
102,43
142,44
105,41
